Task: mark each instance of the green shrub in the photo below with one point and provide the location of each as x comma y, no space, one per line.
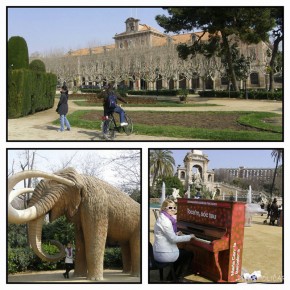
252,94
19,259
37,65
17,53
113,258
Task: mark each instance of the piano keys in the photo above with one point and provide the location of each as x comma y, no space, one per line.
219,230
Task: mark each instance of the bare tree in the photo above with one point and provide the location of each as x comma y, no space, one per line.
127,168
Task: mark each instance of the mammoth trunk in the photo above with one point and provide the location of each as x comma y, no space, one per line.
34,234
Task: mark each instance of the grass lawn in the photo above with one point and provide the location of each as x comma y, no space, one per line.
210,126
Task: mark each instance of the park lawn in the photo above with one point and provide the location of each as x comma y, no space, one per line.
254,127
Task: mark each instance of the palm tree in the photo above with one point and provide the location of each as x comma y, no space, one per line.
277,155
161,164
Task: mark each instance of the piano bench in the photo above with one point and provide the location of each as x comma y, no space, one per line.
155,265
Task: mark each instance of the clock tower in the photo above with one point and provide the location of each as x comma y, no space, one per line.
132,25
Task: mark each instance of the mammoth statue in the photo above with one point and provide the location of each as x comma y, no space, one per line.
97,209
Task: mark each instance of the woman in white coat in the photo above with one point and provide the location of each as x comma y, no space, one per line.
166,237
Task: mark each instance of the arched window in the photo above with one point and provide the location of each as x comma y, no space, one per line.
182,175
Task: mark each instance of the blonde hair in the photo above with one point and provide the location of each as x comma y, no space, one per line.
166,203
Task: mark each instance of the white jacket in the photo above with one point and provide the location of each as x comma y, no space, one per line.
165,238
69,256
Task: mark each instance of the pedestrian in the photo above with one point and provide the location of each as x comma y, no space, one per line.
69,262
274,212
62,109
166,237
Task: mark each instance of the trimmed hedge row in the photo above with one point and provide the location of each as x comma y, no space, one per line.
162,92
252,94
29,92
97,99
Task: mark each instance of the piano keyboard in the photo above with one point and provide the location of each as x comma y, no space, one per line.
202,240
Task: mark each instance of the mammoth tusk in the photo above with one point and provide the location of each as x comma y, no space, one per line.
26,215
18,192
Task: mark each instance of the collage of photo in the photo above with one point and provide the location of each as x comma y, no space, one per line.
144,145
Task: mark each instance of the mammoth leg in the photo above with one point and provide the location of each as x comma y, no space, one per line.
135,253
80,258
126,257
95,234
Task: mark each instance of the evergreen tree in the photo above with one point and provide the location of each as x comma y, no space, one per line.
17,53
277,35
249,24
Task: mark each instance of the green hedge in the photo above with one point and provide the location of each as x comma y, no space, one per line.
23,259
29,92
37,65
162,92
252,94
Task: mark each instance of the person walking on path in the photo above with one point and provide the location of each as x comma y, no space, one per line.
62,109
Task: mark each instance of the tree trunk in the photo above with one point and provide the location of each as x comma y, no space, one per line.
232,73
272,62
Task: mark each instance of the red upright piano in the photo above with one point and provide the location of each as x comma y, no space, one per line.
219,230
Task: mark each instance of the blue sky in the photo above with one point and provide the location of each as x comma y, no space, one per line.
231,158
49,29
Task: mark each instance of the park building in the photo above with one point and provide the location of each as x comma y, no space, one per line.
143,58
261,174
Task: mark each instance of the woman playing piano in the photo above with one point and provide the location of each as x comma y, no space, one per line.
166,237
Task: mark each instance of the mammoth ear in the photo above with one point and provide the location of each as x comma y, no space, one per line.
75,200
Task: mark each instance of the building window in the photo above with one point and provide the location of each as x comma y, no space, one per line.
254,78
182,175
195,82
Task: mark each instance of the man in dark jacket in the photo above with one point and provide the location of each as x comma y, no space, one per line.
110,108
62,109
273,212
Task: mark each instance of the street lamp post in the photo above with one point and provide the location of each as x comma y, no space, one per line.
157,76
267,83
